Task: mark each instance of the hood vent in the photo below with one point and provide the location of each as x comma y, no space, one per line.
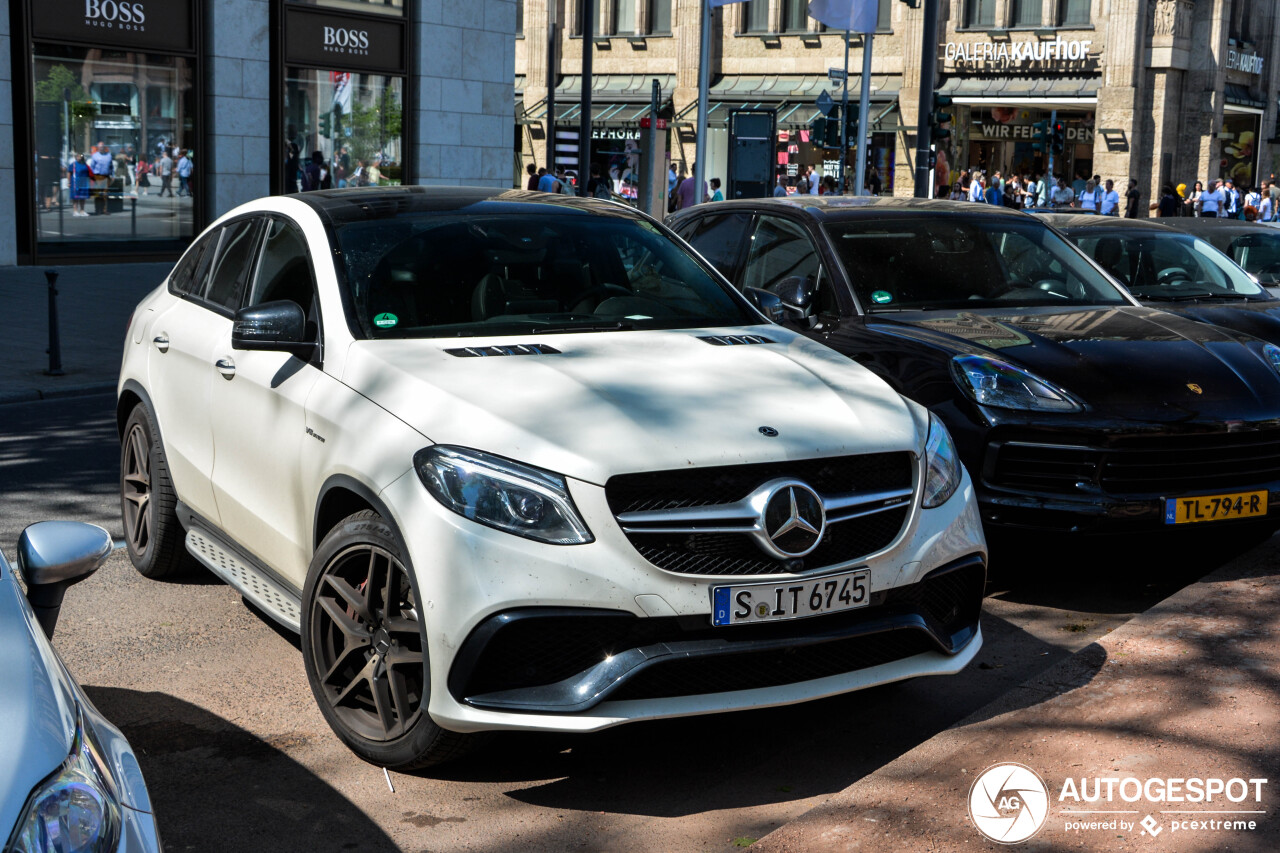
504,349
734,340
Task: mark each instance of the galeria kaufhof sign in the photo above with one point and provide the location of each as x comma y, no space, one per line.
1050,54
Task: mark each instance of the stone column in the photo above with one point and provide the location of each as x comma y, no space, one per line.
686,25
8,186
237,87
1121,97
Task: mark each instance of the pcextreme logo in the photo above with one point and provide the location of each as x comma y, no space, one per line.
1009,803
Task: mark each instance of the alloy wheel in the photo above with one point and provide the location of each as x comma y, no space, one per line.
367,641
136,489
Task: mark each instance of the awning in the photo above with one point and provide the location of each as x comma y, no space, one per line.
1241,97
616,87
608,113
1022,88
617,100
794,98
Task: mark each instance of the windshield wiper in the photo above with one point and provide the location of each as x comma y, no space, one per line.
620,326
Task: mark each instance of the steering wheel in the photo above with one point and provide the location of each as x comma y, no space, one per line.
593,296
1172,274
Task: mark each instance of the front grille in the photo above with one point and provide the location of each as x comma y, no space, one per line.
1154,465
545,647
726,484
736,554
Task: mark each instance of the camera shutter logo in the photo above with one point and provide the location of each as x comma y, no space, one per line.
1009,803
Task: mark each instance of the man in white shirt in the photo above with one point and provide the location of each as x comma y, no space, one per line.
1031,192
1212,201
975,188
1110,200
1063,195
814,182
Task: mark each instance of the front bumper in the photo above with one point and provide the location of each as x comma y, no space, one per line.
471,578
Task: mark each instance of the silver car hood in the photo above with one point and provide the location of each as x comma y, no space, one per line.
37,704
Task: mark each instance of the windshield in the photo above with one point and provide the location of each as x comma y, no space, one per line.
1259,254
1167,267
428,275
974,262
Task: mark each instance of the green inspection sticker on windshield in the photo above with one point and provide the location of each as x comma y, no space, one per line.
385,320
881,297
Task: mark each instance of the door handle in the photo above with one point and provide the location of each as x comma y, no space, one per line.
226,367
161,341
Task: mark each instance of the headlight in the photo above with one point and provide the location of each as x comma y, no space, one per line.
942,466
73,811
1271,353
499,493
995,383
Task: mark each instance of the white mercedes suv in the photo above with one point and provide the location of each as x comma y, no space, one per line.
515,461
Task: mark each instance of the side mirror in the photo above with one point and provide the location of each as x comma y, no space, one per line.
53,555
275,326
796,293
770,306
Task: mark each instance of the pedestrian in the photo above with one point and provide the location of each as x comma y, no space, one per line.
165,167
598,187
829,185
1193,199
1170,203
780,189
1213,201
1232,207
534,173
687,194
1267,207
1110,199
716,195
1030,191
184,168
1131,200
1253,197
141,179
314,176
80,179
292,167
873,181
1063,195
1013,192
547,182
957,192
975,187
1091,199
100,167
996,187
564,181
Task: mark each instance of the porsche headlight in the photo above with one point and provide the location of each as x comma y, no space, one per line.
942,465
991,382
502,494
75,810
1271,353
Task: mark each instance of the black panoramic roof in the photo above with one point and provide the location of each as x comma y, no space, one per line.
1201,225
836,207
358,204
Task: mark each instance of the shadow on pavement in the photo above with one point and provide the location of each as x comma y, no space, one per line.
215,786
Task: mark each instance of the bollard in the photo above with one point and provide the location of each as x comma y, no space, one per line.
55,346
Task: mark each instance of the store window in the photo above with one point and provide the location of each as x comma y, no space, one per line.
342,119
884,16
1239,30
1074,13
659,17
980,13
1026,13
755,16
354,121
111,129
624,17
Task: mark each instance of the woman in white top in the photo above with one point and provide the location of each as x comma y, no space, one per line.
1265,211
1089,199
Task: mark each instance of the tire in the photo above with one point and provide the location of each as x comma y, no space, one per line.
365,649
152,532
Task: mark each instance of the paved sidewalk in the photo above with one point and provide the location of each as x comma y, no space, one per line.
94,306
1189,689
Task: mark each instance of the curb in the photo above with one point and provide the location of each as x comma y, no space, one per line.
37,394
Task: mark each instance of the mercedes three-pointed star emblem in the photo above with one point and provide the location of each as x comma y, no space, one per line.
792,519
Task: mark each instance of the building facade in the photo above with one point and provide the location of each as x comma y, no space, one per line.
135,123
1154,90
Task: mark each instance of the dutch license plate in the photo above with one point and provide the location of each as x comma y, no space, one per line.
774,602
1214,507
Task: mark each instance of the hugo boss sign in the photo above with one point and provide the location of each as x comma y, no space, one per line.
161,24
343,42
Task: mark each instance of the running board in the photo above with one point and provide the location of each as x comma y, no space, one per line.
265,592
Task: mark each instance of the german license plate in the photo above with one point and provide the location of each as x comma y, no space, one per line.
774,602
1200,508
